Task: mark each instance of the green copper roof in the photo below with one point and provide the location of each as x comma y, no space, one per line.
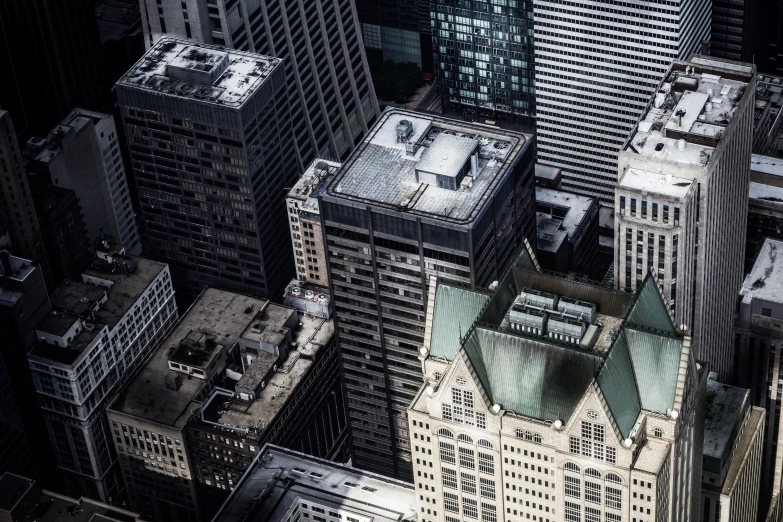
656,362
528,377
649,310
455,311
618,386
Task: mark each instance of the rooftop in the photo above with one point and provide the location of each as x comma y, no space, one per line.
310,337
547,171
220,315
382,171
566,210
279,479
725,408
208,73
765,280
10,280
691,110
126,288
652,456
655,183
312,184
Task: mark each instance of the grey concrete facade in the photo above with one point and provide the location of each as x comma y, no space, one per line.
211,169
327,81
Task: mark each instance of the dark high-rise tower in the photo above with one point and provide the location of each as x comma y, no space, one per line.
327,81
212,151
420,197
51,59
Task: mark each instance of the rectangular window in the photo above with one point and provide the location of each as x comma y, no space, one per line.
467,458
593,492
598,451
592,515
468,483
456,396
587,430
587,448
611,455
614,498
481,421
613,517
451,502
486,463
676,217
572,487
447,453
766,312
655,212
633,206
446,412
572,512
666,213
467,399
598,433
644,209
449,478
488,513
469,508
487,488
622,205
574,445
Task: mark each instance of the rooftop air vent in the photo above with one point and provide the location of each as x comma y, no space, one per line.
404,130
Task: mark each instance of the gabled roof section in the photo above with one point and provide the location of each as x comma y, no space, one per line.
530,378
649,311
656,364
618,386
455,311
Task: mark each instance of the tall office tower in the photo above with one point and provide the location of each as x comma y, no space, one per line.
64,233
149,418
758,336
684,164
82,153
23,304
737,31
773,39
17,212
420,196
559,400
100,332
596,68
483,57
398,30
212,149
50,55
328,87
733,445
304,218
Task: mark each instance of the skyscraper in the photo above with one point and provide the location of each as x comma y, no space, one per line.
420,196
82,153
682,199
213,152
17,211
596,67
737,31
483,56
327,82
399,30
50,55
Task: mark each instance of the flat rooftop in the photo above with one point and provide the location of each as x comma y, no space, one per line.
312,183
766,165
655,183
10,284
652,456
77,297
547,171
279,478
380,172
313,335
127,287
578,206
725,407
765,280
219,314
692,109
243,74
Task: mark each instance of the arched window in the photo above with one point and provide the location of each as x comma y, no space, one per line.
465,438
658,432
528,435
438,375
519,433
443,432
537,438
482,443
611,477
570,466
590,472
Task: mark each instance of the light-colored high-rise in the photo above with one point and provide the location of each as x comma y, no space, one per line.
328,87
682,173
597,63
568,402
82,153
